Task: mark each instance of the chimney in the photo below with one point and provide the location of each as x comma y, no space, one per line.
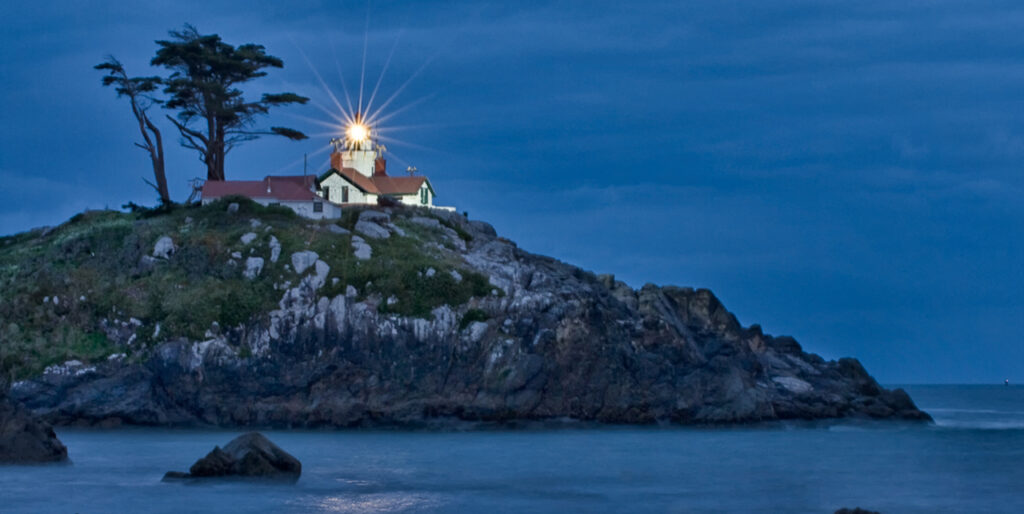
336,160
380,166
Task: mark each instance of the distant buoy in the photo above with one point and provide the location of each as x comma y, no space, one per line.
1006,382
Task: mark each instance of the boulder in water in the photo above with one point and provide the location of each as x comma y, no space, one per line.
24,439
247,456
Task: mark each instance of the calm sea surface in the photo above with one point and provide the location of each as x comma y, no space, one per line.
972,460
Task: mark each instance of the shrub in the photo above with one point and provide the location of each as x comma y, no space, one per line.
472,315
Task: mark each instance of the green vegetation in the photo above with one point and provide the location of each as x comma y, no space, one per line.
59,288
400,268
471,316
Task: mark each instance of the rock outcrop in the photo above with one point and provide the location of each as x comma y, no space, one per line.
24,439
247,456
549,342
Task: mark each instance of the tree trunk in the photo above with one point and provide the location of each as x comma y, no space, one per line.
219,148
158,164
155,149
213,172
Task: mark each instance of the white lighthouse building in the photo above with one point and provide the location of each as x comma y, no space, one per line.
358,150
358,173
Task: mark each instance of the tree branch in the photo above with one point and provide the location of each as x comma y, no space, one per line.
152,185
185,130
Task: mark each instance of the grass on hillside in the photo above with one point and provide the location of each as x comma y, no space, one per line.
95,266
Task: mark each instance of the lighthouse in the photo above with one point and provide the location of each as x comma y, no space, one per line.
358,173
358,150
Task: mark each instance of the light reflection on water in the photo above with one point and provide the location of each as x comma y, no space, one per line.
381,502
957,465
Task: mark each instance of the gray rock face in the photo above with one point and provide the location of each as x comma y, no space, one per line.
319,278
253,267
483,227
361,249
301,261
275,249
164,248
248,237
426,222
372,230
247,456
24,439
553,342
374,216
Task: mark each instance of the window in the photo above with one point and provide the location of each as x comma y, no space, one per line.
423,196
327,193
344,194
318,207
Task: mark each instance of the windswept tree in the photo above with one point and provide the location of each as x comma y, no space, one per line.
213,116
139,92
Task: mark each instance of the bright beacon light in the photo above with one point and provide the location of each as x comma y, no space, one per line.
357,132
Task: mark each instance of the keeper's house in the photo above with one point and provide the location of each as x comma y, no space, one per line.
358,175
295,192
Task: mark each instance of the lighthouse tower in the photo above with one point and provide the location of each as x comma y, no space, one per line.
358,150
358,174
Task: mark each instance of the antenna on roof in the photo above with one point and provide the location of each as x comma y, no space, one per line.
411,170
305,162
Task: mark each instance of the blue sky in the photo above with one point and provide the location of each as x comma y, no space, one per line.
845,172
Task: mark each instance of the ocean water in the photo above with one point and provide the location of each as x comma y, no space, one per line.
971,460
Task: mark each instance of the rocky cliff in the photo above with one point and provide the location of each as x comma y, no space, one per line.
245,316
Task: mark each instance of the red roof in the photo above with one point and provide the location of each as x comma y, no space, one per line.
305,180
398,185
382,184
364,183
289,188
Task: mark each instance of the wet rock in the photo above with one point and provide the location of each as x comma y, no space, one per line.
247,456
25,439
